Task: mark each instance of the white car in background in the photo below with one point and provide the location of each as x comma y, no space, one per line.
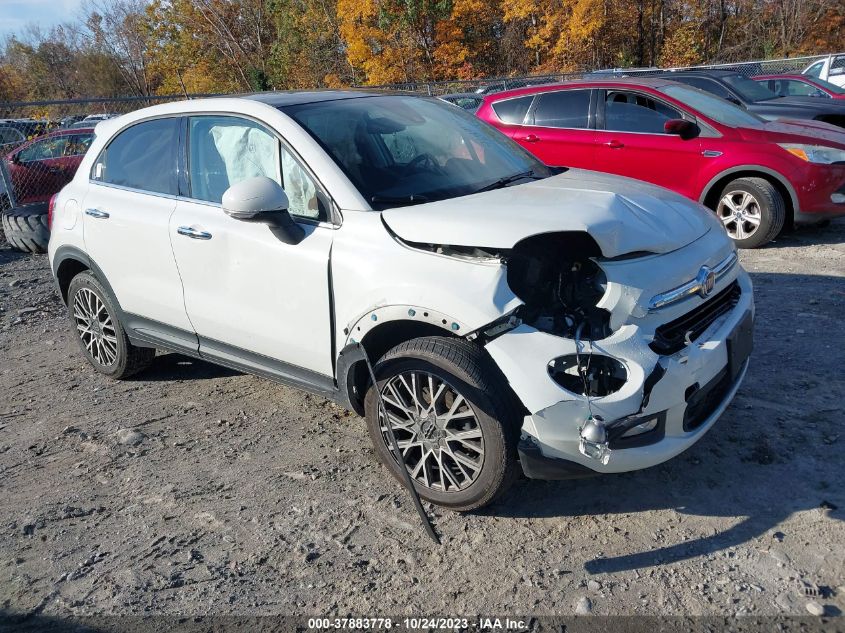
830,68
572,323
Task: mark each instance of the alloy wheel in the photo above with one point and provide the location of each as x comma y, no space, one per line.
740,212
438,433
95,327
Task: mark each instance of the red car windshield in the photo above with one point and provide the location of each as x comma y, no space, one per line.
713,107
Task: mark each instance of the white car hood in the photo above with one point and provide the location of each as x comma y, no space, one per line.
621,214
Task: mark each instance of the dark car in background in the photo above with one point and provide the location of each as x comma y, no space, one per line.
469,101
758,99
801,86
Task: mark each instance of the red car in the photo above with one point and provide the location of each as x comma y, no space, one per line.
755,174
800,86
44,165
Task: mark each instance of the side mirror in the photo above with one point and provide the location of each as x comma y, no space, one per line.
261,199
16,159
683,128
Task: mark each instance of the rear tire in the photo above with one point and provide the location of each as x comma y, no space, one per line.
98,331
460,449
26,230
752,210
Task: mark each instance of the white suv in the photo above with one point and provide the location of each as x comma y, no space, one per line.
567,322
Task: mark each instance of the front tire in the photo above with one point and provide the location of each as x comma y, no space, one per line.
752,210
450,410
99,332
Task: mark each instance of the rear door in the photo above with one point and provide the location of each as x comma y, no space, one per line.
631,142
127,209
559,128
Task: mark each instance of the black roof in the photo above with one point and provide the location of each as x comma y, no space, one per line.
282,98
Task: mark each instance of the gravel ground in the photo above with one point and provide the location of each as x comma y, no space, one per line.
193,489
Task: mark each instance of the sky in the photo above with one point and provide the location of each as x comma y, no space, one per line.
15,14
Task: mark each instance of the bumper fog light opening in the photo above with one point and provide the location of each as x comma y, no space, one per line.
645,427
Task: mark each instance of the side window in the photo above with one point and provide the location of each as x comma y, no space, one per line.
78,144
513,110
837,66
224,150
141,157
43,150
563,109
815,70
705,84
10,135
800,89
631,112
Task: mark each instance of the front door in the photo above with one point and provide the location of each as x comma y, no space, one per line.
251,298
631,142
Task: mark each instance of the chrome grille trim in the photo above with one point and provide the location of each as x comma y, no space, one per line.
693,286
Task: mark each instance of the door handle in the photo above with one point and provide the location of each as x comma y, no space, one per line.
191,232
614,144
96,213
531,138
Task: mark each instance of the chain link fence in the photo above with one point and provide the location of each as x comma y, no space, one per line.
43,142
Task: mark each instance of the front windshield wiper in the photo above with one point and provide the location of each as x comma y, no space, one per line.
503,182
413,198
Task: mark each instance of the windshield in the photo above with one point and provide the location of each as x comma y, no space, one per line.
833,88
749,89
400,150
713,107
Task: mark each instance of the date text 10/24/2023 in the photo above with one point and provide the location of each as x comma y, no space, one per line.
421,623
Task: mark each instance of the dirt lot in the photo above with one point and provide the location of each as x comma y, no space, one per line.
193,489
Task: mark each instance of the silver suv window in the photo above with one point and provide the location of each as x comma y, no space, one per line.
141,157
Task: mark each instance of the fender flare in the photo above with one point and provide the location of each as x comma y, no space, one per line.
65,253
758,168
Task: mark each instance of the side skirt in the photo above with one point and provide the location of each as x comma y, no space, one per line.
148,333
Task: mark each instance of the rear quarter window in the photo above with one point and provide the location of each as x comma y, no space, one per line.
512,110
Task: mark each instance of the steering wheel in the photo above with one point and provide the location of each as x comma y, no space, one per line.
424,161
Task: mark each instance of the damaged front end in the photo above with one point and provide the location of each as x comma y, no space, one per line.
581,354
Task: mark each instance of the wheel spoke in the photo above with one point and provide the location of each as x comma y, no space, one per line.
439,437
466,461
445,473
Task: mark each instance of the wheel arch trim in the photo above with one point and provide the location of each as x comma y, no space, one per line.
765,171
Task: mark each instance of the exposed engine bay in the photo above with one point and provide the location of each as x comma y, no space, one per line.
560,283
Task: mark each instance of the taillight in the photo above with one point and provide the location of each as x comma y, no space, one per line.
50,208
